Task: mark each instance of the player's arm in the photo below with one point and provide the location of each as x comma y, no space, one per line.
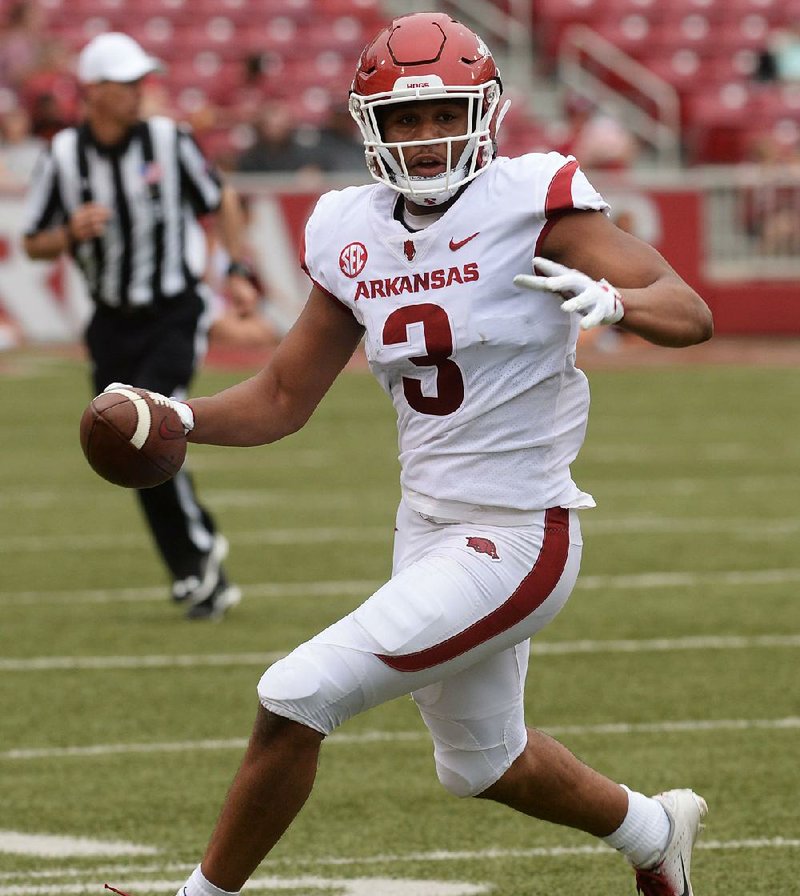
86,222
282,396
232,227
47,244
658,304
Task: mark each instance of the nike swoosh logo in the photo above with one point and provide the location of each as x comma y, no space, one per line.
455,246
167,433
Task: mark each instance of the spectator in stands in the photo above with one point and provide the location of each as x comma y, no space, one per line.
598,141
780,59
275,147
19,148
50,92
605,144
339,147
228,326
21,40
772,210
258,80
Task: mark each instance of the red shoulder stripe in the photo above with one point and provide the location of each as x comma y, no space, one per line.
559,193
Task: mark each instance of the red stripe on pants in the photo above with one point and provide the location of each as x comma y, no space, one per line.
533,591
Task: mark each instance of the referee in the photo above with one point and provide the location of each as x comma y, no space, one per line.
122,196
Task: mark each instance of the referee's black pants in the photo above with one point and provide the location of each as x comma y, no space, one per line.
159,348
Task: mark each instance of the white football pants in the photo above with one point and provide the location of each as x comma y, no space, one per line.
451,627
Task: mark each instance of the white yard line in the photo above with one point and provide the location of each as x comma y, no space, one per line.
593,526
56,845
597,526
90,877
263,590
789,723
101,541
360,886
364,587
166,661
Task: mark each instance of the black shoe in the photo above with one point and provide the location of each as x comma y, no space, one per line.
214,607
197,588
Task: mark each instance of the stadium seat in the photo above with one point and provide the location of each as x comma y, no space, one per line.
633,35
712,10
717,119
613,10
776,12
551,18
692,32
680,68
752,32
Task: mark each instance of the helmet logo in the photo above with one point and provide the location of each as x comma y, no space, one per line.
352,259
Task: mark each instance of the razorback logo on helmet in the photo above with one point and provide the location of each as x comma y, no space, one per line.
389,287
482,545
352,259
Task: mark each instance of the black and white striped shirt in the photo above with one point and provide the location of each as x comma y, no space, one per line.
155,184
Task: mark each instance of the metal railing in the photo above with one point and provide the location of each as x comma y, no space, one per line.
749,216
585,61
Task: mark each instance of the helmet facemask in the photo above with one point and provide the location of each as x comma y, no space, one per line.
479,150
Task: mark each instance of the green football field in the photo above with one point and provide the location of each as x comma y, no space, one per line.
675,662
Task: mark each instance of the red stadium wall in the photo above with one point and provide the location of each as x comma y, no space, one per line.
673,220
45,301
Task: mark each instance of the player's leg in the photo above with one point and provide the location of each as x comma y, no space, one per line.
482,748
185,532
269,789
452,607
655,834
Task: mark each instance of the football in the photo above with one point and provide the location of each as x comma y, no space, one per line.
133,438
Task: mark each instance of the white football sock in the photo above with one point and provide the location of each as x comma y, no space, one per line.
643,834
197,885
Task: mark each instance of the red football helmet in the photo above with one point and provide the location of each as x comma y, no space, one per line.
427,56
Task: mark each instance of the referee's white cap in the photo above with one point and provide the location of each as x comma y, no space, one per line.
114,57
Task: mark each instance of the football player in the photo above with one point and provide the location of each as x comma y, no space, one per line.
491,409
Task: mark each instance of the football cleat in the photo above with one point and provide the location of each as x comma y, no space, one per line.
670,875
214,607
197,588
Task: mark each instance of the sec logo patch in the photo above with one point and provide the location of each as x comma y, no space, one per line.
352,259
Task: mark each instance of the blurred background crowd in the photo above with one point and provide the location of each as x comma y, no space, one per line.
264,82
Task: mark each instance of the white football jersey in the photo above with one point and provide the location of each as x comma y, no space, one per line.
491,409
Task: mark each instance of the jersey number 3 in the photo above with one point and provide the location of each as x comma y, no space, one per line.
439,344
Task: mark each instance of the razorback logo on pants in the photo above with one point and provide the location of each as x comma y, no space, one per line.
482,546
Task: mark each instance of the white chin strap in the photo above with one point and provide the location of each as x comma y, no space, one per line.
434,190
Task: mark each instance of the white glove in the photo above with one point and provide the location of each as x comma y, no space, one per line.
595,300
182,409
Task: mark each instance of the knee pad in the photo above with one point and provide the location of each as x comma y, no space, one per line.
314,685
472,754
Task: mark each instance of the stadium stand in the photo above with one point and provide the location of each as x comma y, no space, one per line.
222,54
709,51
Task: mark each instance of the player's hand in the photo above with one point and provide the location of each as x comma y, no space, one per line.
181,408
88,221
595,300
242,288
